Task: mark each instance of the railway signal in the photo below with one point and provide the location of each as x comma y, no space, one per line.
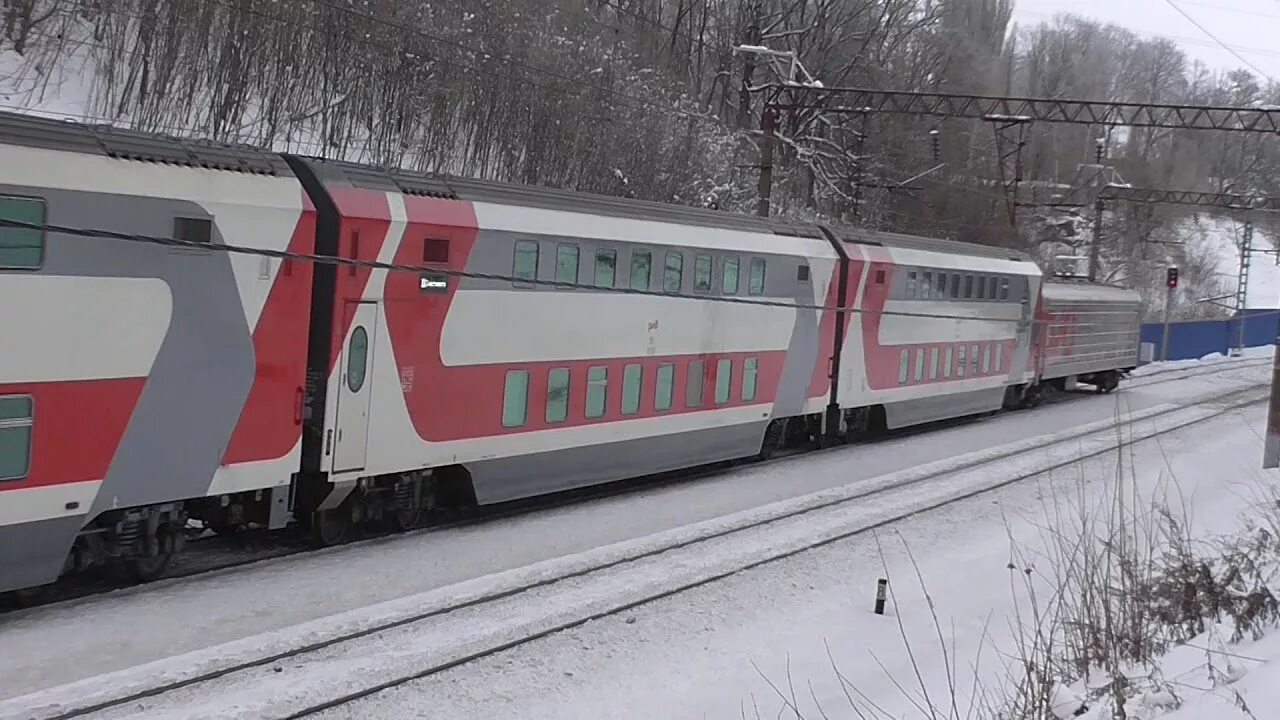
1171,278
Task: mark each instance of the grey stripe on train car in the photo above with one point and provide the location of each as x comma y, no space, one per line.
525,476
33,553
200,380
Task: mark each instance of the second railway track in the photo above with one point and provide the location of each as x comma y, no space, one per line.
401,641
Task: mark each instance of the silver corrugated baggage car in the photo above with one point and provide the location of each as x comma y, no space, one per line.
1091,334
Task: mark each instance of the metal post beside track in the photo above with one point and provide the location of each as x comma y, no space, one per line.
1164,336
1271,448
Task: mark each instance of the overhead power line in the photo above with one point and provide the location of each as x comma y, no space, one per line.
1218,40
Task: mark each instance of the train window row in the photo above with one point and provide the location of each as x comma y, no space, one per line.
21,247
16,415
568,269
965,359
515,400
934,284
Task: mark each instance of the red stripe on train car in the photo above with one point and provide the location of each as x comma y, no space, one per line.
270,424
77,428
455,403
366,220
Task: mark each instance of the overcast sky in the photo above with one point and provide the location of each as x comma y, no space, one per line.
1250,27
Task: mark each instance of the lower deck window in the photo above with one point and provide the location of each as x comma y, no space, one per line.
904,366
724,380
1000,358
947,363
597,391
515,398
750,371
632,382
558,395
664,388
16,416
693,386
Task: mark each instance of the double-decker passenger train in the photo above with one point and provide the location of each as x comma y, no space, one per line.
471,342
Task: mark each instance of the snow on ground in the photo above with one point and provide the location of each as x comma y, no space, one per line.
443,638
1219,235
1251,355
66,642
734,648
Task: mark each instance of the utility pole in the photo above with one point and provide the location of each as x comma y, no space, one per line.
769,126
1271,448
1170,284
1242,281
1096,246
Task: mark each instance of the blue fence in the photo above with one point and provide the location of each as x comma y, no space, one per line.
1195,339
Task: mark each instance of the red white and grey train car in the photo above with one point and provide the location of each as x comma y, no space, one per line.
544,340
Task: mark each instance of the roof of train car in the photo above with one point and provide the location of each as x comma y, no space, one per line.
1076,291
72,136
121,143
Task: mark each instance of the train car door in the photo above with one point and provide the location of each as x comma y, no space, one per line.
355,389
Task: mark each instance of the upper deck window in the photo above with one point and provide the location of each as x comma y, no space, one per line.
21,247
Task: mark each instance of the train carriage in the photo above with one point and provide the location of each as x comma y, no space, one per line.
1089,333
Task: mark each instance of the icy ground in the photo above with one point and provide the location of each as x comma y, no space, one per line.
62,643
761,640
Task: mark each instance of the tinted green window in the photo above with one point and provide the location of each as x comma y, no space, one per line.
724,380
999,358
526,262
632,381
21,247
674,273
960,362
16,414
919,364
940,291
947,363
702,273
606,267
973,360
756,285
904,366
515,398
567,264
664,389
731,276
641,269
357,358
597,391
750,369
693,385
933,364
558,395
911,285
986,359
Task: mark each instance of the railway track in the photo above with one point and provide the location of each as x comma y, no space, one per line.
224,554
422,636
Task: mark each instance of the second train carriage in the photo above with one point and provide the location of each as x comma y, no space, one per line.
546,340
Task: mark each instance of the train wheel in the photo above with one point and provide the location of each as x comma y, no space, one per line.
149,569
409,519
153,567
330,527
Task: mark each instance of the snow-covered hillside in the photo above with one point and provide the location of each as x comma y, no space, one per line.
1218,236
